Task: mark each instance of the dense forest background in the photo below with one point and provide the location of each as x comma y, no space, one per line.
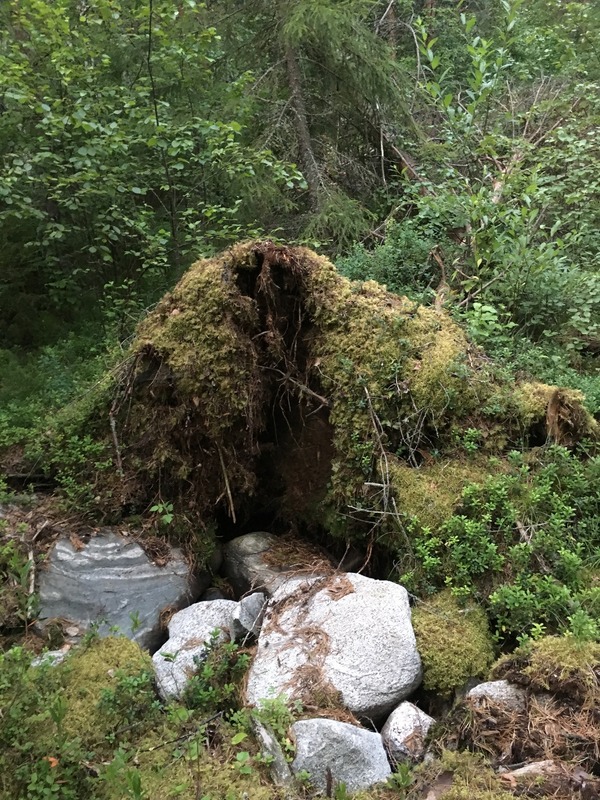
448,150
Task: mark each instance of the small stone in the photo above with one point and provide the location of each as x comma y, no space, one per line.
50,657
281,774
263,561
213,593
248,616
404,733
501,692
190,632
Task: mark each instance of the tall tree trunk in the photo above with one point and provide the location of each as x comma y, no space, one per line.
307,155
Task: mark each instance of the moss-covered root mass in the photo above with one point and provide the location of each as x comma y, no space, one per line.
266,378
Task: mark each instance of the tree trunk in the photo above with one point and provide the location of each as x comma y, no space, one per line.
308,161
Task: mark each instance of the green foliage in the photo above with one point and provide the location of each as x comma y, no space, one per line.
402,262
216,684
164,511
526,541
17,605
46,739
34,385
279,714
93,727
114,174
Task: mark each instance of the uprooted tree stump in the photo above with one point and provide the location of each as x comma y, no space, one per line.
266,382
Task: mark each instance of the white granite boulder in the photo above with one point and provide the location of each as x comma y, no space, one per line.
111,582
404,733
501,692
190,633
344,634
335,752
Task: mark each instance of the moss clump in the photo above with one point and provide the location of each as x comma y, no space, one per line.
470,778
174,763
564,665
429,495
453,640
560,412
93,676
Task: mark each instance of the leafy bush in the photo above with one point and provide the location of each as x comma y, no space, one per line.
216,684
16,602
402,262
526,542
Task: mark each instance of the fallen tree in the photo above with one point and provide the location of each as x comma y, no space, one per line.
267,383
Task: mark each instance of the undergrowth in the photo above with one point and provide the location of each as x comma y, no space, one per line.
524,542
94,727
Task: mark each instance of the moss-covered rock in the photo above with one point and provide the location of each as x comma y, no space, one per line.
565,665
454,642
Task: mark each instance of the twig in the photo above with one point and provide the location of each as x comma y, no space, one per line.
183,736
227,486
384,464
113,430
306,390
385,13
31,586
480,289
44,524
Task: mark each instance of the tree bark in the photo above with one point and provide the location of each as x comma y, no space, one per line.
308,161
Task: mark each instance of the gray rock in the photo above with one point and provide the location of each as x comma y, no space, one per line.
501,692
352,755
404,733
50,658
346,634
113,583
245,563
260,561
281,774
248,616
214,593
189,634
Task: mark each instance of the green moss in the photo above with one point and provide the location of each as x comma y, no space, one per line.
531,401
174,763
454,642
92,672
430,494
563,664
471,778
